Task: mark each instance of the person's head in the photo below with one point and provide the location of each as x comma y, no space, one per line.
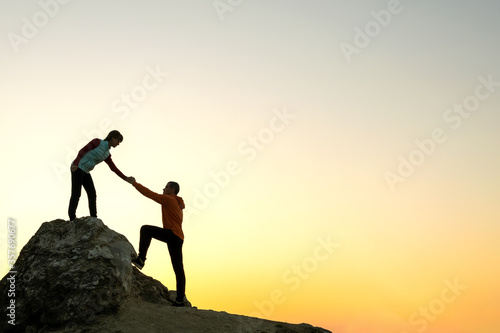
114,138
171,188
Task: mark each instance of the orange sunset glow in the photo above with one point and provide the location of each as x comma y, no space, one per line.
338,160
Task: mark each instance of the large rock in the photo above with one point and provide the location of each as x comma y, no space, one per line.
71,272
77,276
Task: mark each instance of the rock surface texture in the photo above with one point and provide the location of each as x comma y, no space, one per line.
77,277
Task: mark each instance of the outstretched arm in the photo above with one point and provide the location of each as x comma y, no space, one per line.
113,167
147,192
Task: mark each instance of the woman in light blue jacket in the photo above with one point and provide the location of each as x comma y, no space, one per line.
88,157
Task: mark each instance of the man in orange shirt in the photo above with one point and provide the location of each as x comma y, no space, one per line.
171,233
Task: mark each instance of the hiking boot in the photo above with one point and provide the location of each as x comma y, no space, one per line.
138,262
177,303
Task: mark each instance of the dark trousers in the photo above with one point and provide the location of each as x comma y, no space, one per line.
174,245
80,178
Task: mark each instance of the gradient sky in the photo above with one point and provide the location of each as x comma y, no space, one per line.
339,159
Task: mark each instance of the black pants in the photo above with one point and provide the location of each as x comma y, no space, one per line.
174,244
80,178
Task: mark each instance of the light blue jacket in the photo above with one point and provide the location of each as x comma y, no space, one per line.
94,157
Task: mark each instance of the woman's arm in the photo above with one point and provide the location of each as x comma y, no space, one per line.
113,167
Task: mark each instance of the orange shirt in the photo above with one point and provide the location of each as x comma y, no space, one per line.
171,209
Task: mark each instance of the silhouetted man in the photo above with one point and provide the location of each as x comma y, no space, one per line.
171,233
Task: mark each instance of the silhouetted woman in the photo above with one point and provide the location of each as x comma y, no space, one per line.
88,157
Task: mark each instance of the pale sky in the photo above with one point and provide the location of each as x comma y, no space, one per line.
371,126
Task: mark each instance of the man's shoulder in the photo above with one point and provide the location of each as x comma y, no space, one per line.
172,198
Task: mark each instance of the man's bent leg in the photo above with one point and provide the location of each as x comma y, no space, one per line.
148,232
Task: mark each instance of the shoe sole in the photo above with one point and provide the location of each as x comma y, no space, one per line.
138,265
